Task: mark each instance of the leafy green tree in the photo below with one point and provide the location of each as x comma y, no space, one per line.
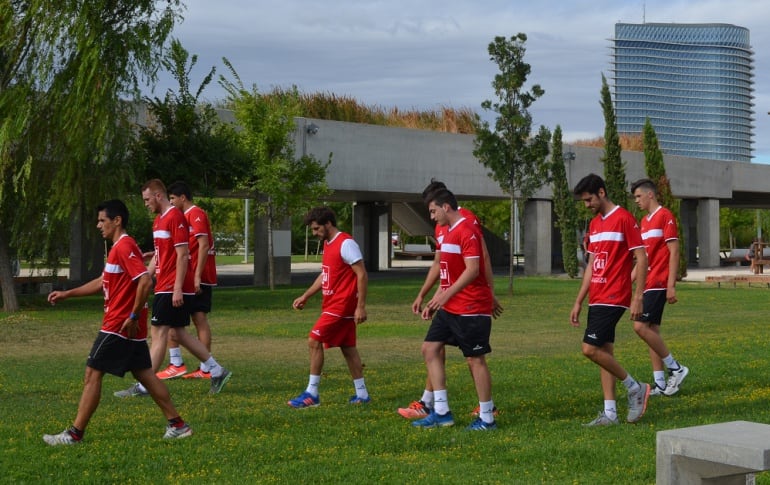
184,138
65,70
516,159
281,183
564,206
656,171
614,169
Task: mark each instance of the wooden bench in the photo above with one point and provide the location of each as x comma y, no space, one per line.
30,285
756,279
724,453
418,251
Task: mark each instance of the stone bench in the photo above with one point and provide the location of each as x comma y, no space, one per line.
418,251
724,453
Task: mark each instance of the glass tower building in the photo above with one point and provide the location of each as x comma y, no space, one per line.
693,81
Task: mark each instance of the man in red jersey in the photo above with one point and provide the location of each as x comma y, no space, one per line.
173,287
122,341
421,408
204,269
661,241
461,312
343,283
613,243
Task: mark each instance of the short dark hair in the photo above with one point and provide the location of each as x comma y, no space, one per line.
180,188
433,186
590,184
321,215
644,184
441,197
114,208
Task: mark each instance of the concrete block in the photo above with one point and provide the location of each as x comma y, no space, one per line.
723,453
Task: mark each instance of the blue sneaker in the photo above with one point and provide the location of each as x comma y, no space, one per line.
304,400
435,420
359,400
480,425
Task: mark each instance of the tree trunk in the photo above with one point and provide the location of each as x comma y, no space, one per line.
511,247
270,258
10,301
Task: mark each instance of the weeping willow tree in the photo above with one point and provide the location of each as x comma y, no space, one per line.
66,71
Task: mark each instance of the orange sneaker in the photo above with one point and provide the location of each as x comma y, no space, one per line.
198,374
477,410
416,409
172,371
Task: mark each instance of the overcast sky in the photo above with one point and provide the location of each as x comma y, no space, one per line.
427,54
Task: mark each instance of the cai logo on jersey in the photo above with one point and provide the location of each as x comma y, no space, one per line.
597,270
325,280
444,275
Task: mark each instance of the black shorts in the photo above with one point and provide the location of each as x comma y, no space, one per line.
165,313
602,320
113,354
201,302
653,303
469,333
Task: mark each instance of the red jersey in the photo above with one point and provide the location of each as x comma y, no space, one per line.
169,230
339,282
199,226
124,265
439,230
611,239
461,241
658,229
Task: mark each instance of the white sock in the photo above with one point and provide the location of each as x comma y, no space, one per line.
485,411
214,367
141,387
610,409
427,398
360,388
631,385
175,356
671,363
204,367
312,385
660,378
441,404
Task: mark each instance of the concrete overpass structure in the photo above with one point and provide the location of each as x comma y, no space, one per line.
383,170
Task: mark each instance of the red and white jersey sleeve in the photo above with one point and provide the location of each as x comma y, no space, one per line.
612,238
658,229
124,265
170,230
200,226
461,242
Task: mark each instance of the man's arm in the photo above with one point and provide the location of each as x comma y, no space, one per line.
299,303
673,269
91,288
469,274
637,299
362,282
182,261
497,308
143,286
203,255
574,317
430,281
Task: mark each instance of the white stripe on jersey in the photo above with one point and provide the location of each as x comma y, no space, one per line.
112,268
652,233
607,236
161,234
451,248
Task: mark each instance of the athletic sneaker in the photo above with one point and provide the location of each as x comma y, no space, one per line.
416,409
675,380
63,438
477,410
172,432
172,371
134,391
637,403
657,390
217,383
435,420
198,374
480,425
603,420
304,400
359,400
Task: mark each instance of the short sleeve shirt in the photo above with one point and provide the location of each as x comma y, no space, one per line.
658,229
170,230
124,265
199,225
461,241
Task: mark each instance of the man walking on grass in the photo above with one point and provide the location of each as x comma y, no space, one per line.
613,243
661,241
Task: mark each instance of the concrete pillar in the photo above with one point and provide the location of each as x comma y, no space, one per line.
688,215
281,252
371,230
708,233
537,237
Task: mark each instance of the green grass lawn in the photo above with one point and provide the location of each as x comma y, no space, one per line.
543,386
